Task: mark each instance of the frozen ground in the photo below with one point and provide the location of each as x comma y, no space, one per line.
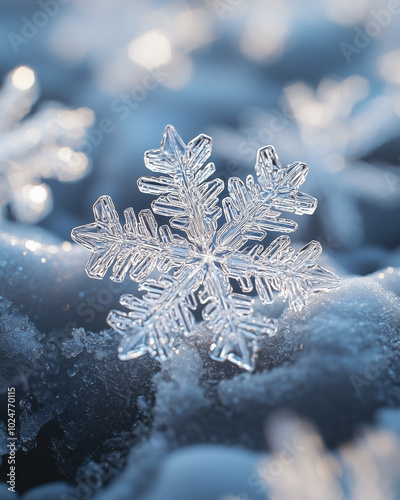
191,421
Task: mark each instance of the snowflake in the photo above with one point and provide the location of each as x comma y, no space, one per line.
197,269
40,147
336,127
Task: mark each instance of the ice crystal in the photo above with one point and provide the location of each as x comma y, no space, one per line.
197,270
40,147
338,126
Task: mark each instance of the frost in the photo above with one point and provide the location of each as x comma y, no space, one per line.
19,345
178,395
78,374
388,278
196,270
42,146
346,346
352,331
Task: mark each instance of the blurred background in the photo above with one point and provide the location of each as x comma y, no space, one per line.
320,80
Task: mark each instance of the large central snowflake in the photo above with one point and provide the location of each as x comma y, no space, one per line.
198,269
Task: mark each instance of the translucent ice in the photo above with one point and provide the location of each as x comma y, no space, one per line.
198,269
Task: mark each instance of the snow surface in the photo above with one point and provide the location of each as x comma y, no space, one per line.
191,422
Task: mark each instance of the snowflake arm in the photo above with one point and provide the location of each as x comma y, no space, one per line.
184,194
279,268
162,314
254,208
231,317
137,248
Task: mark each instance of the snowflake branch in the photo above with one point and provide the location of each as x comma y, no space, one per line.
162,314
279,268
232,319
185,196
253,209
137,248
